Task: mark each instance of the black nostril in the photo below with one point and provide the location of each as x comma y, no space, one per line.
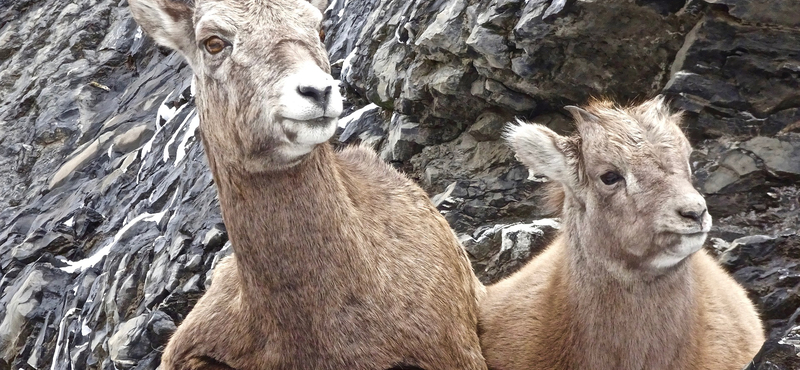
319,96
693,215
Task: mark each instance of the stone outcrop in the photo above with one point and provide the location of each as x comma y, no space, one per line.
109,223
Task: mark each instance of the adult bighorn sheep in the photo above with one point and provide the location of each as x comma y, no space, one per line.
340,262
626,284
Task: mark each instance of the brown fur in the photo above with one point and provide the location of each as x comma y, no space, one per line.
333,274
340,261
595,299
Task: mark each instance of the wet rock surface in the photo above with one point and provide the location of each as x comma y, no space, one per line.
109,223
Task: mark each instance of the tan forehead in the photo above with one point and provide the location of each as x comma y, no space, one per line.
275,12
636,135
257,27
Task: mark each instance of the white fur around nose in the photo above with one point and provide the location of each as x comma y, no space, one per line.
692,233
299,107
308,121
675,222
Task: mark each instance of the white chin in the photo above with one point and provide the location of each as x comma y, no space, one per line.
688,245
307,135
313,132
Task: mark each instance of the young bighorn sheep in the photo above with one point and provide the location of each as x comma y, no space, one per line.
626,285
340,262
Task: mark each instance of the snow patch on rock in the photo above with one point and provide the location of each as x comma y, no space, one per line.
75,266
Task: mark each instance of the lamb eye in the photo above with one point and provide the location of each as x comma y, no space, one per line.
215,44
610,178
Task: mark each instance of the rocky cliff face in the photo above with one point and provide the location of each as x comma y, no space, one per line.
109,223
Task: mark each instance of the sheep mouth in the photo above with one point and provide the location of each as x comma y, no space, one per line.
693,234
303,134
686,231
319,122
689,243
685,245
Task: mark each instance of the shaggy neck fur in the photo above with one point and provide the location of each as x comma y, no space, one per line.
324,275
291,232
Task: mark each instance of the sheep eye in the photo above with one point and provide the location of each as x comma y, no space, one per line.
214,45
610,178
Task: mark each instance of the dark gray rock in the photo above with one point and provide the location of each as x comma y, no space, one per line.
778,353
780,155
501,250
365,125
749,176
766,266
491,46
738,80
511,60
733,166
128,344
30,310
488,127
108,168
406,138
763,11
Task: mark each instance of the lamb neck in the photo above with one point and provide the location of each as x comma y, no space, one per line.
653,317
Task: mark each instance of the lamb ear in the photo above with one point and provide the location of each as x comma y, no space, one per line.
585,122
540,149
581,115
169,22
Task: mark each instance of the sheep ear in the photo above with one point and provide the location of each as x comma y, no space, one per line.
320,4
169,22
540,149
